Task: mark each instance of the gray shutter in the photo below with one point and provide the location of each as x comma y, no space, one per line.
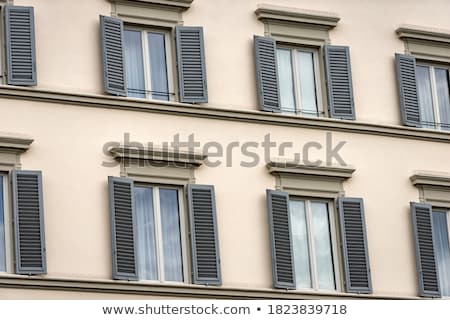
20,47
28,222
407,88
204,238
339,82
354,244
114,79
191,64
425,253
283,271
123,228
267,74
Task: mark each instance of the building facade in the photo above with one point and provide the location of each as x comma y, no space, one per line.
224,149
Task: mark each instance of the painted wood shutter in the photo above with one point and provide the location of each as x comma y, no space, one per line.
114,76
191,64
267,74
204,237
123,228
28,215
407,87
20,45
425,254
354,244
339,82
283,270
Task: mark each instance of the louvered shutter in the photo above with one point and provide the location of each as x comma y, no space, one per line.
123,228
339,82
20,47
191,64
407,87
425,254
204,238
28,222
114,79
283,271
267,74
354,244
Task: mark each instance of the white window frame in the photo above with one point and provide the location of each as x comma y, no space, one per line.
296,79
434,96
334,244
447,212
158,232
146,59
8,224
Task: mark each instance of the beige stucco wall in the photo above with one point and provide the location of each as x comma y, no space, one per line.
69,139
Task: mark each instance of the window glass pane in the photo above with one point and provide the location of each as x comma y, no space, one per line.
322,245
2,230
145,233
442,87
134,64
307,82
442,247
158,66
300,244
425,98
285,79
171,236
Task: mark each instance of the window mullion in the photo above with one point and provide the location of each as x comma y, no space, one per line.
296,80
158,234
334,246
434,97
312,254
146,60
316,74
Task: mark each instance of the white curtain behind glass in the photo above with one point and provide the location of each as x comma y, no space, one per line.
285,80
2,230
158,66
134,64
443,95
425,97
145,233
307,82
442,247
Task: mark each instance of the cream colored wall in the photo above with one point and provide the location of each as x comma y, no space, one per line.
69,139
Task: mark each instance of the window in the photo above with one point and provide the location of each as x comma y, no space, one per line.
433,94
441,226
2,225
160,232
314,244
298,79
148,64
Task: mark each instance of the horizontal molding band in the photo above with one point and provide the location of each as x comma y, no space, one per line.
206,111
170,291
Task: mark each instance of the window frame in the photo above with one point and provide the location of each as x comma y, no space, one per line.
437,125
296,79
184,225
169,55
7,220
334,240
447,213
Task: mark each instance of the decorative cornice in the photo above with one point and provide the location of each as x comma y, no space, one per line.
13,143
327,20
176,4
171,291
429,178
212,112
158,155
328,171
423,33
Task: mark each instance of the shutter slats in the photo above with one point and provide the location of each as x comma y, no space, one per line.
425,253
191,64
122,228
281,242
204,239
407,86
339,82
28,222
20,45
267,74
114,79
354,241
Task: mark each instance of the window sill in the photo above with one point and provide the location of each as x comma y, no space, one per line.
190,291
207,111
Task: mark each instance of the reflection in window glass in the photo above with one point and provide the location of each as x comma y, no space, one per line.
134,64
425,96
158,66
307,82
286,82
442,247
443,96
